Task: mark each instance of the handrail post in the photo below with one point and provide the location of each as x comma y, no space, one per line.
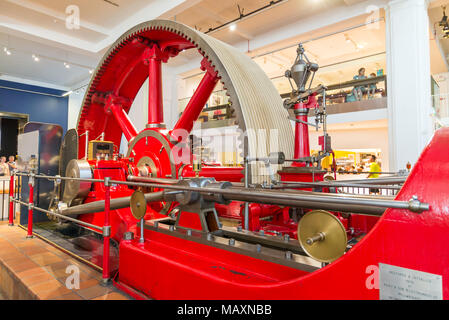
106,231
30,206
11,202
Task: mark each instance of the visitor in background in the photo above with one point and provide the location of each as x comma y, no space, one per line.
372,87
374,170
4,169
12,164
358,91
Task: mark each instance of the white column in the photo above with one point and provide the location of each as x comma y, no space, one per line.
410,124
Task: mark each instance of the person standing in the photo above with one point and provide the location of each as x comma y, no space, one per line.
12,164
374,170
372,87
358,91
4,169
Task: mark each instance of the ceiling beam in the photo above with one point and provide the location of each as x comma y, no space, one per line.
222,20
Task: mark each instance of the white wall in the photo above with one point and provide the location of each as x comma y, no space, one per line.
75,101
443,109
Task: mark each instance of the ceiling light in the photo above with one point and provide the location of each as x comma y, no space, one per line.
7,51
67,93
66,65
232,27
35,58
360,46
91,71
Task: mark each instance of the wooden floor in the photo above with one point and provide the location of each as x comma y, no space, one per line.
33,269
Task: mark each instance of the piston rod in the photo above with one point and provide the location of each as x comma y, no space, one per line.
118,203
373,206
285,185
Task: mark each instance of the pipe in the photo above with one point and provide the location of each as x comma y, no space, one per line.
347,204
392,180
350,208
106,237
30,208
11,202
151,179
332,185
117,203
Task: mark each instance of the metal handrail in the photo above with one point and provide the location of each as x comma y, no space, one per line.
59,215
106,229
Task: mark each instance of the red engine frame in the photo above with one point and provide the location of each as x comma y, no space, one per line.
166,267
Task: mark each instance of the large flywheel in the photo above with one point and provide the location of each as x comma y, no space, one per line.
138,54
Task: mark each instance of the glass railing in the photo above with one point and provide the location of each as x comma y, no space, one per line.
353,91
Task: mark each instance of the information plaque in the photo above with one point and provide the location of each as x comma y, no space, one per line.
396,283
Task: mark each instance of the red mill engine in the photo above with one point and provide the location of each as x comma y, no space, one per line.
295,235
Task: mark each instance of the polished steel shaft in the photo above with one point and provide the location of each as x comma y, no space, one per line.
118,203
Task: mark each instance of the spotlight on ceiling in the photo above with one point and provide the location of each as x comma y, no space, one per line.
7,51
91,71
347,38
232,27
66,65
35,58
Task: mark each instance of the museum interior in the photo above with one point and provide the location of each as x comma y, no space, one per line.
224,150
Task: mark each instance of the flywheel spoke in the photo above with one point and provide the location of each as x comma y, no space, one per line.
199,98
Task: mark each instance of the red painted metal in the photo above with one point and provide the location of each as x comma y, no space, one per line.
401,238
11,202
123,120
155,100
199,98
302,148
30,209
106,238
167,267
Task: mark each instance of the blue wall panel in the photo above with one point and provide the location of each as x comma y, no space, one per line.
40,108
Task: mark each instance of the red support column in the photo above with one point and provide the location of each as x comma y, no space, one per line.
11,203
199,98
302,148
155,99
123,121
30,206
106,230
